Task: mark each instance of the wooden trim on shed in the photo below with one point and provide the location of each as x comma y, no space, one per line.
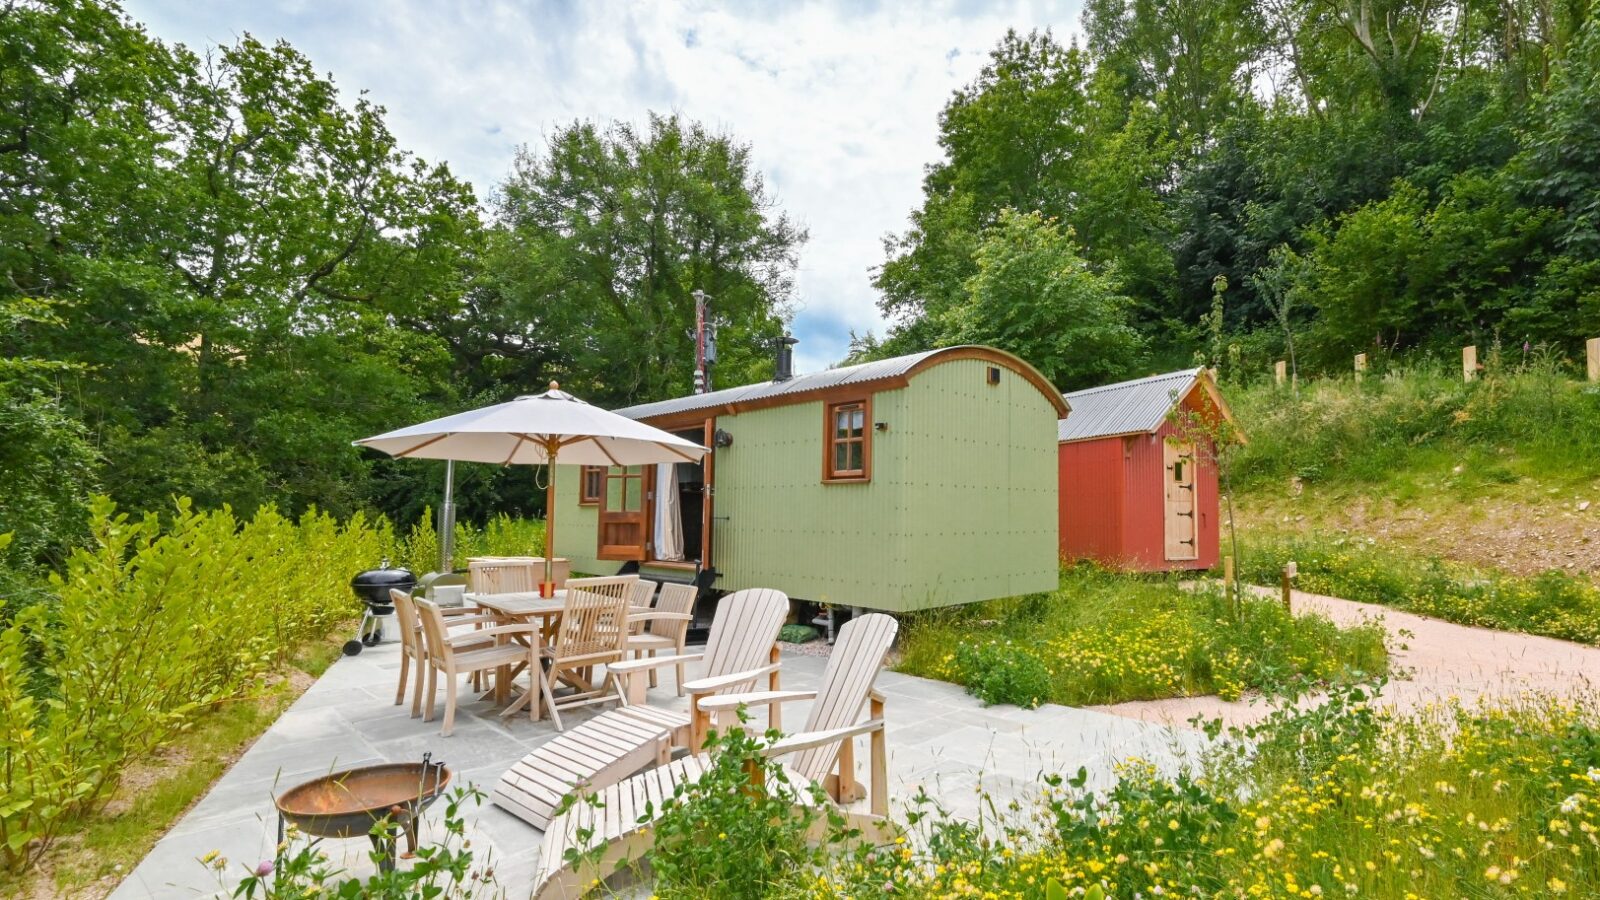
1010,361
844,392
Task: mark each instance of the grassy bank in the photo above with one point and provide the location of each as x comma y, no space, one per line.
1552,604
1101,637
1422,431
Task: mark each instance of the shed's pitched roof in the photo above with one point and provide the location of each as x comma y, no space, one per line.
1128,407
778,392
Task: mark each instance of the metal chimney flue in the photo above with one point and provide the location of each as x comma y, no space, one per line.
785,365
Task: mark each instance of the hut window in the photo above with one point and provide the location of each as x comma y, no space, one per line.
589,485
847,444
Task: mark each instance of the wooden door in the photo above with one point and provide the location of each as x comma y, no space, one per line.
1179,493
624,520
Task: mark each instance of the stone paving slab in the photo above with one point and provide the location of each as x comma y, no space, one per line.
940,740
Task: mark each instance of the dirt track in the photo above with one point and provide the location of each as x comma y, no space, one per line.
1432,660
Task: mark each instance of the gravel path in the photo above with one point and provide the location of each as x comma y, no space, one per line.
1431,661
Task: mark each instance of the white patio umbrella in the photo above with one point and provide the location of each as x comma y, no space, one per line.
549,428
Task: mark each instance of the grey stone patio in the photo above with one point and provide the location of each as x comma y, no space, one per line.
939,739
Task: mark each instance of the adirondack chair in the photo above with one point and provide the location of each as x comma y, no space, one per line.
663,633
741,648
414,644
810,757
731,660
593,631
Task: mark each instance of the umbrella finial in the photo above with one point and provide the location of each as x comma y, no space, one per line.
554,386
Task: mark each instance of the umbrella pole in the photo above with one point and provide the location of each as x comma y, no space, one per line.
548,587
447,520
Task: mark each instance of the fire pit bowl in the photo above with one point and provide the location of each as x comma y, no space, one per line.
348,803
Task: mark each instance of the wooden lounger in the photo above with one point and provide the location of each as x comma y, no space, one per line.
612,821
600,752
741,648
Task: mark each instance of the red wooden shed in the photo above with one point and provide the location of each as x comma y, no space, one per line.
1136,490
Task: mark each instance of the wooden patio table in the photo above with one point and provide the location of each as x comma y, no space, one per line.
517,607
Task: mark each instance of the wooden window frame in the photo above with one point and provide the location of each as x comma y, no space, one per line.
584,474
847,476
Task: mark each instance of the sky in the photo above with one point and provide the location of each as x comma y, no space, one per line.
839,100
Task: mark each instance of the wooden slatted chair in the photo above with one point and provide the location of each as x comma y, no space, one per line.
619,819
658,633
741,647
496,575
450,657
414,644
617,743
593,631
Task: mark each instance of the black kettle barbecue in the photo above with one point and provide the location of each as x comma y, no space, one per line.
373,587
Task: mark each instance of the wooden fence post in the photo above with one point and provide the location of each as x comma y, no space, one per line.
1289,572
1280,371
1594,358
1469,363
1361,365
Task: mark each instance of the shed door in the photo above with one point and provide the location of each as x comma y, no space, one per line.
1181,530
624,531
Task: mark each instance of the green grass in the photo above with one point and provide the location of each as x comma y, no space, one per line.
1422,432
1552,604
110,843
1103,637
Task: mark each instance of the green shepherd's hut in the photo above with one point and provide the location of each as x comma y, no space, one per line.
906,483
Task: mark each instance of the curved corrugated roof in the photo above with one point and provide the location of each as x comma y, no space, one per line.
863,373
1128,407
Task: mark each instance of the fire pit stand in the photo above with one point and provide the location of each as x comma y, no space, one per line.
350,803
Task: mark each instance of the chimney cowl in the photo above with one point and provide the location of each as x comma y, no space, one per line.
784,370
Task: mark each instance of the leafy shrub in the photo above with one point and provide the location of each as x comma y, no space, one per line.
150,626
721,837
1003,672
500,536
1106,638
797,633
47,469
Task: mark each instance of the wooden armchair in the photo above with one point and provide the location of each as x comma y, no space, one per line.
414,645
828,737
466,653
664,627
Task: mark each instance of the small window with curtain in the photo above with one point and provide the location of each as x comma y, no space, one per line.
590,481
847,445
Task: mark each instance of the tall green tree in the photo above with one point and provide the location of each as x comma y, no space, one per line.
1034,295
605,236
244,270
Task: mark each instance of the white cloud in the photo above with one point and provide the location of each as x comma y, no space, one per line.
839,101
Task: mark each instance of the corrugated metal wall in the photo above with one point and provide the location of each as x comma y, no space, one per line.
577,527
979,486
1092,484
1144,503
777,524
